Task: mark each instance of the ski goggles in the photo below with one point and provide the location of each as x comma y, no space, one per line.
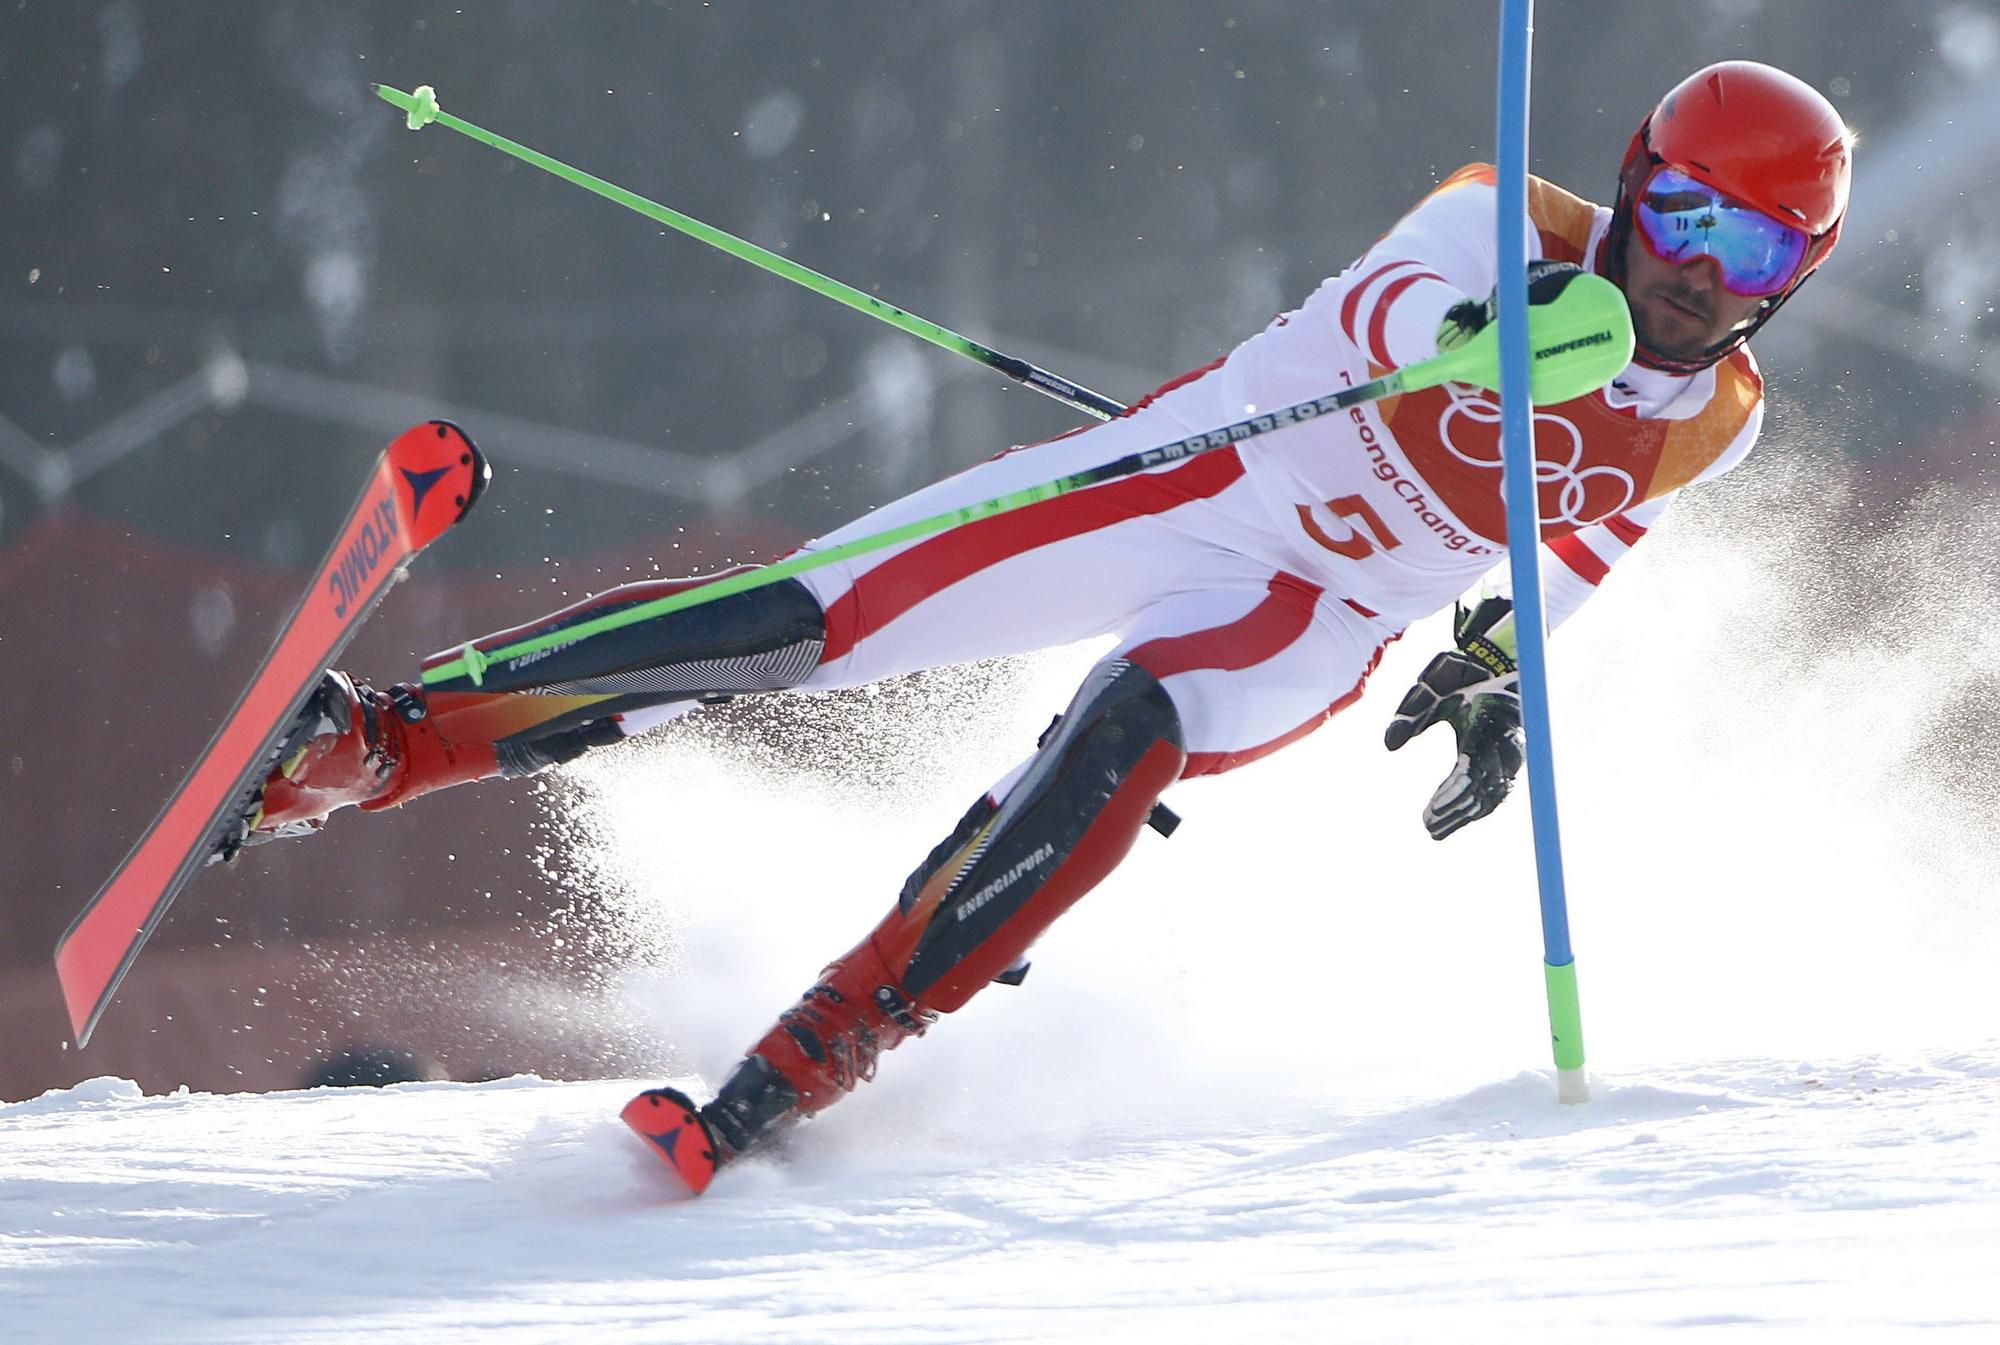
1681,219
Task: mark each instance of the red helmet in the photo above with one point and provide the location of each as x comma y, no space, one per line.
1755,133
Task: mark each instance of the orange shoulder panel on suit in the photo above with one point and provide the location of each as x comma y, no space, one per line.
1562,218
1693,445
1483,173
1594,461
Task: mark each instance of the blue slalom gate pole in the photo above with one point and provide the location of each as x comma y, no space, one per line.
1517,22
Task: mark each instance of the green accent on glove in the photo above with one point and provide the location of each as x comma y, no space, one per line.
1472,688
1485,632
1466,319
1463,321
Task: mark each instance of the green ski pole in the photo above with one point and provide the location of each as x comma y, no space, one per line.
1579,341
421,109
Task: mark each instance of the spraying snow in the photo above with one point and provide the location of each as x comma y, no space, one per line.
1284,1076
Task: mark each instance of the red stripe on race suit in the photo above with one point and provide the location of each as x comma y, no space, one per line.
1350,307
1263,632
1624,529
1586,564
1376,350
1214,763
899,583
1179,381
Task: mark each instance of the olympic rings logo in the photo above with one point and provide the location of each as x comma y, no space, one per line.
1574,481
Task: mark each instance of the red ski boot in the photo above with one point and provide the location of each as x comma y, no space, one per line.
356,745
820,1050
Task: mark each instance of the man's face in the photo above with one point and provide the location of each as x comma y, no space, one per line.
1679,311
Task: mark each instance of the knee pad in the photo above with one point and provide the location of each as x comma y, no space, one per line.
1012,865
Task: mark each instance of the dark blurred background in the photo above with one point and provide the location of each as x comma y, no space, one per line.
228,275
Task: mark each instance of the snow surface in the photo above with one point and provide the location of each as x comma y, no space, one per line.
1855,1201
1282,1078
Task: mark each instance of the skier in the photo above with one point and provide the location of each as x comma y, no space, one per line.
1251,590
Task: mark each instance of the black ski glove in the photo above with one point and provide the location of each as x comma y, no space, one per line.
1474,688
1467,318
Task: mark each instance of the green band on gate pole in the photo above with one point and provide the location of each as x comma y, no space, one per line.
1565,1015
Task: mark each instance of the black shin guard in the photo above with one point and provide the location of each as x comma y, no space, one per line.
763,639
1059,830
970,910
530,756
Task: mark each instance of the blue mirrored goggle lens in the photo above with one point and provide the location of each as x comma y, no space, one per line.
1683,219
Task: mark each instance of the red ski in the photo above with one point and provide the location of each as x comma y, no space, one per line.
672,1127
423,483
